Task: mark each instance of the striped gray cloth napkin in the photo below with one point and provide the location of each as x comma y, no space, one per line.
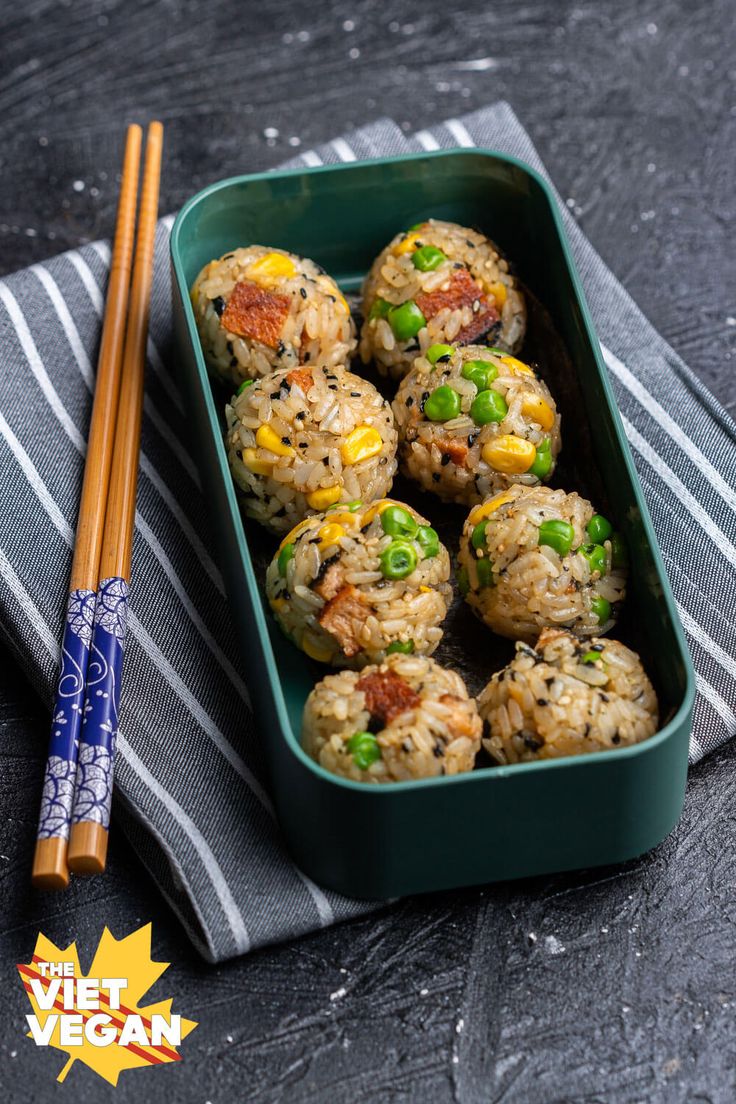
189,766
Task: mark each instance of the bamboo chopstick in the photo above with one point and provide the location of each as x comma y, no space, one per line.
93,783
50,869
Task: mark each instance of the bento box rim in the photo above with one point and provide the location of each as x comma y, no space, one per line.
579,762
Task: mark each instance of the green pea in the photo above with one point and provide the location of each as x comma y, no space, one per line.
442,405
286,554
427,258
438,352
428,541
403,648
244,384
417,226
398,560
364,749
592,657
485,573
496,351
406,320
599,528
602,609
557,534
398,522
463,582
619,551
478,537
596,556
488,407
480,372
543,460
351,507
380,309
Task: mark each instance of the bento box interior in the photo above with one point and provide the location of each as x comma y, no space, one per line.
342,218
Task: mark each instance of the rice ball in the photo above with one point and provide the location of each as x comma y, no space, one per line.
438,282
533,557
566,696
472,421
407,718
259,308
302,439
361,582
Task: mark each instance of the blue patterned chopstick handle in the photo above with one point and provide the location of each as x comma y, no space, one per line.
66,718
93,789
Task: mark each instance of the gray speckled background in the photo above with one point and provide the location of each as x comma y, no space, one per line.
613,985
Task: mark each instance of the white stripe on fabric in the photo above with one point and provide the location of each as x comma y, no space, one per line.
150,537
460,133
34,478
67,323
200,714
655,461
722,708
168,221
217,878
85,275
229,908
312,158
667,423
426,140
155,654
323,906
343,150
706,642
29,608
37,367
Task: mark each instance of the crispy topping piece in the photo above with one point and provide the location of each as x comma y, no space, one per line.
462,291
482,322
343,616
300,377
256,313
329,582
456,450
387,695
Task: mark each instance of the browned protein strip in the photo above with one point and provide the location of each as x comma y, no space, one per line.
456,450
301,377
387,695
482,322
330,584
342,616
462,291
253,312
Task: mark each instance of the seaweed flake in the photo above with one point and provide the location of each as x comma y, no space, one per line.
218,305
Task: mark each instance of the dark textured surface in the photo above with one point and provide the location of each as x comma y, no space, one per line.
613,985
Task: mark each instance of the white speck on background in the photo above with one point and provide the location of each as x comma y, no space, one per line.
477,65
532,937
442,86
348,25
338,993
94,191
393,26
646,216
651,28
651,167
43,140
731,321
604,931
14,1054
294,141
228,1038
31,233
570,201
625,1008
553,945
271,132
459,1026
303,36
683,71
455,1059
343,970
78,185
354,53
408,29
423,992
287,38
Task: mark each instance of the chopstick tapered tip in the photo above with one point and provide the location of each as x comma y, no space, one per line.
87,853
50,869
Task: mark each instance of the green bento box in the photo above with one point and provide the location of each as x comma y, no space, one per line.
495,822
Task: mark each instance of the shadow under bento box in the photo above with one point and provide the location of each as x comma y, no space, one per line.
496,822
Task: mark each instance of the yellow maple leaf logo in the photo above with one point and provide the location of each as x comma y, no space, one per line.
102,1025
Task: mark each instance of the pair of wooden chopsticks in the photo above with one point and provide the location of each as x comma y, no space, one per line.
75,807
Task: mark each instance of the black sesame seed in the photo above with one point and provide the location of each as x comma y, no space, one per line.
422,401
587,730
446,458
443,359
355,394
303,292
218,304
436,477
286,441
471,439
233,362
438,751
383,461
409,401
303,444
542,701
275,394
332,387
300,415
230,348
326,461
469,243
228,257
306,357
615,739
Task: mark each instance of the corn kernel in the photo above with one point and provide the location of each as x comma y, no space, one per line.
487,508
345,519
537,410
315,649
270,267
330,534
267,438
425,589
291,536
361,444
330,288
278,604
408,245
323,497
509,454
499,293
376,508
516,365
252,462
